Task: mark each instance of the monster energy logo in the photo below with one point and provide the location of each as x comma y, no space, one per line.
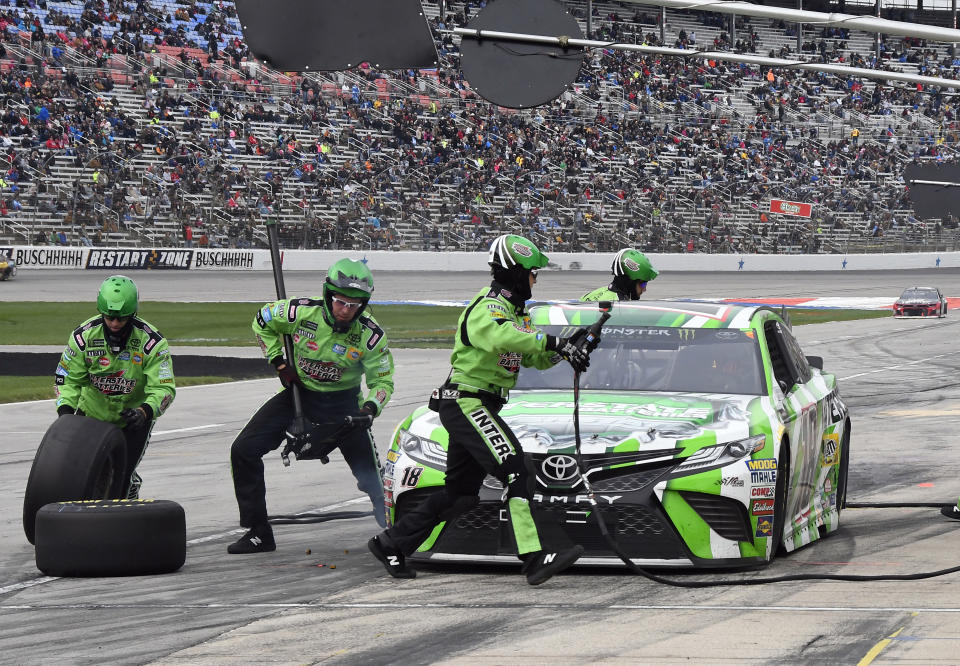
687,333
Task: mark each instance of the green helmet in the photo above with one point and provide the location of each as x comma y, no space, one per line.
509,250
349,278
634,265
118,297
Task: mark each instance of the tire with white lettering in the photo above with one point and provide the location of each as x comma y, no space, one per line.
79,458
111,538
780,500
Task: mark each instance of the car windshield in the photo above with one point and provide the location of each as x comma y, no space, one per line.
917,294
661,359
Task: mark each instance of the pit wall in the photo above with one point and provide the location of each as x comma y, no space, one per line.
129,259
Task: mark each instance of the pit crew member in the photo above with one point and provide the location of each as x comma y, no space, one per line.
117,368
494,339
336,344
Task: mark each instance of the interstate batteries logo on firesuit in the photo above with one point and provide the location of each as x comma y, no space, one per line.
763,470
113,384
321,371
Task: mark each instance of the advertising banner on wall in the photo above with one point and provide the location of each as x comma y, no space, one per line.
137,259
45,257
228,260
791,208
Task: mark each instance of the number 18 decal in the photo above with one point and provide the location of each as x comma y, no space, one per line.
410,476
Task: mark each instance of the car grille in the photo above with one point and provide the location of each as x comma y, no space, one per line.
727,517
483,517
642,530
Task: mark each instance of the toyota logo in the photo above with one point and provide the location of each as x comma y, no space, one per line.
559,468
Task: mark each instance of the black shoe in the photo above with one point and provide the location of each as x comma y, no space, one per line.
257,540
951,511
541,566
392,559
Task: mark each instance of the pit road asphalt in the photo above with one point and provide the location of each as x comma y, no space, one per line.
336,604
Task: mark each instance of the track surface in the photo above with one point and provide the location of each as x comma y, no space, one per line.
898,376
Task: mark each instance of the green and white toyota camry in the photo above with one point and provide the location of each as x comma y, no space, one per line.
707,436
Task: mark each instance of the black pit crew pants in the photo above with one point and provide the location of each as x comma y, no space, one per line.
480,443
265,432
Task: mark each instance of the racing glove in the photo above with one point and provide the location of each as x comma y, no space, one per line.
65,409
575,349
288,375
137,418
364,417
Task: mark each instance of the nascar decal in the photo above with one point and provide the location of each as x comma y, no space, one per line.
761,507
113,384
321,371
763,471
764,526
831,448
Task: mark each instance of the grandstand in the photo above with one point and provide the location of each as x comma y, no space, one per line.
147,124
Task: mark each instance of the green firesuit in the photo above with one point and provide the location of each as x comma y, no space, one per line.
102,382
601,294
494,339
326,360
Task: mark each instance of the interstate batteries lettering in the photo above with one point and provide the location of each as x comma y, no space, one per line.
496,440
113,384
321,371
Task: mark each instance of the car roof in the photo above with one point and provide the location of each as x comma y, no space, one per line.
673,314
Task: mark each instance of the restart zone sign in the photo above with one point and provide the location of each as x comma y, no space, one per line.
140,259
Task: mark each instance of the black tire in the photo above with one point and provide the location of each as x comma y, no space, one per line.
79,458
111,538
844,469
780,500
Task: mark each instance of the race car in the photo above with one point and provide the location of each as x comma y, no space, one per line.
8,267
920,302
707,439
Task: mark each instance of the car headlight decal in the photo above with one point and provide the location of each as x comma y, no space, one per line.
721,455
422,450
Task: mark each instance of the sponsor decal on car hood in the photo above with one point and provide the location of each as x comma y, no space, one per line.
543,421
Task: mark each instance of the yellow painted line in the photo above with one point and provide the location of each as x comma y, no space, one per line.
878,648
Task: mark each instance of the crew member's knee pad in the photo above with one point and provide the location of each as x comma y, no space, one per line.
459,504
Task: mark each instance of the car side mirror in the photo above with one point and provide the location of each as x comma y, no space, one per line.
816,361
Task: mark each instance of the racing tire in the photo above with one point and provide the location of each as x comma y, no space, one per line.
79,458
111,538
844,469
780,500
